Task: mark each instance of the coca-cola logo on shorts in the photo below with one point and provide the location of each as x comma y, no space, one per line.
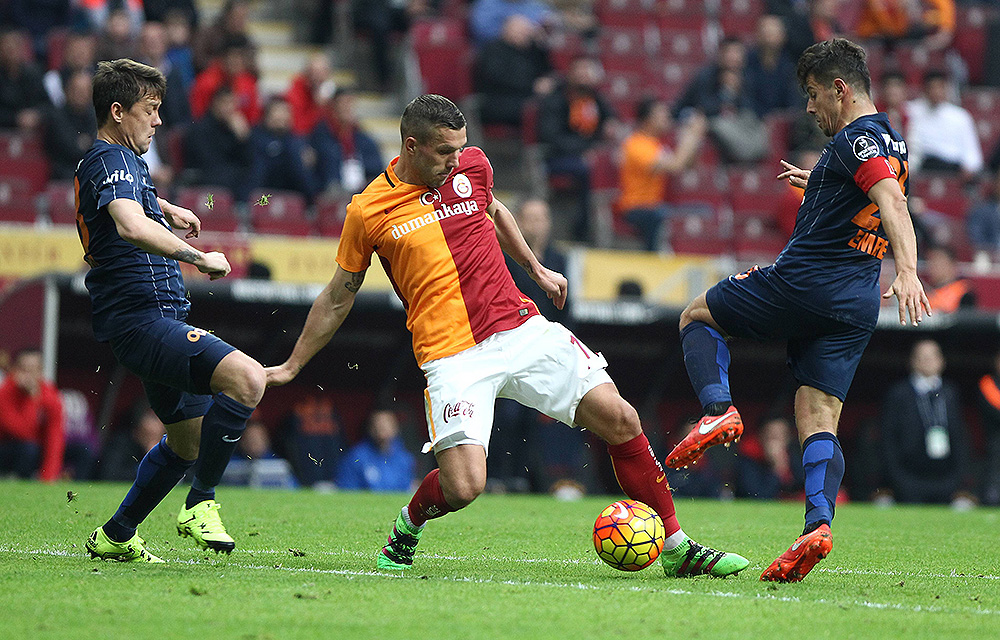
461,408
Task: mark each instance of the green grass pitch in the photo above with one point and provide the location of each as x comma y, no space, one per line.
506,567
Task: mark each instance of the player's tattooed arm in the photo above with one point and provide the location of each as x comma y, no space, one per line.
186,255
355,282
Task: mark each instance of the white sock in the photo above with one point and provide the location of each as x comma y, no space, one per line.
409,523
674,540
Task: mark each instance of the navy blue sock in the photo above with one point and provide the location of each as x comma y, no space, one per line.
706,357
823,463
159,471
221,428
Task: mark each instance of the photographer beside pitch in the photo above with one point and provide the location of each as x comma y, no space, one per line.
433,222
201,388
821,294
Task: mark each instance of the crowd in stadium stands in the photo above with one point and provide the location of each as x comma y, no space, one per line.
656,125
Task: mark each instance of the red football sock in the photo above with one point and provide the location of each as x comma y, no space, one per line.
642,478
428,502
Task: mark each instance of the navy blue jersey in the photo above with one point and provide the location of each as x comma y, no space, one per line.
831,263
128,286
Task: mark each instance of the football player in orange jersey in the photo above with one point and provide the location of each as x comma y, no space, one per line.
440,234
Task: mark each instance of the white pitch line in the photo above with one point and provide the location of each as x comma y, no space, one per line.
560,585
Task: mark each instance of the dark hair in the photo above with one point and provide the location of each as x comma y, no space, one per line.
893,75
426,113
935,74
645,108
831,59
126,82
26,351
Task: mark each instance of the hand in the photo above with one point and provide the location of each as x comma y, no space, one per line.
181,218
910,294
796,177
554,285
277,376
215,265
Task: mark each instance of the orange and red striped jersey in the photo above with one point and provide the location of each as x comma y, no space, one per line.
440,250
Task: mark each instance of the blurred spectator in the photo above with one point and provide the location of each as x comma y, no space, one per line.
946,291
22,94
347,157
99,13
717,87
923,437
254,464
983,223
71,129
158,10
769,465
175,109
930,21
809,22
893,99
647,165
39,18
308,92
316,441
942,136
571,120
510,70
179,51
230,25
277,154
80,54
32,431
534,218
770,71
118,37
487,17
217,147
83,441
791,196
123,451
228,70
989,406
383,21
380,462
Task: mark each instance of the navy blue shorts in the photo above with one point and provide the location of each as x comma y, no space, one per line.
175,362
822,352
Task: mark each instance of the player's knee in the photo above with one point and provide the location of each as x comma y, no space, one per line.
247,386
461,494
623,423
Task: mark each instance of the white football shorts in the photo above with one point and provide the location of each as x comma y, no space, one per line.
540,364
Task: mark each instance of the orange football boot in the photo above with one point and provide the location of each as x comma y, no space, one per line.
710,431
801,557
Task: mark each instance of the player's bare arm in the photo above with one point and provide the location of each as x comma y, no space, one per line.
147,234
796,177
553,283
180,218
325,317
899,229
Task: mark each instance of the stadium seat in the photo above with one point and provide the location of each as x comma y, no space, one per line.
757,237
330,217
668,77
624,49
942,193
755,190
700,186
623,89
914,61
444,57
625,13
694,234
970,38
222,214
56,44
21,156
17,200
284,213
60,197
684,45
682,14
564,46
984,106
739,17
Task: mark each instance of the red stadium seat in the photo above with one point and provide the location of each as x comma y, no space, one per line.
330,217
739,17
564,46
625,13
222,214
915,60
970,38
701,186
17,200
444,56
61,199
698,235
668,78
683,45
284,213
757,237
623,90
624,49
984,106
942,193
755,190
604,168
682,14
21,156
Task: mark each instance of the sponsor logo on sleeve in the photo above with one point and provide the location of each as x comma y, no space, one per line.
865,148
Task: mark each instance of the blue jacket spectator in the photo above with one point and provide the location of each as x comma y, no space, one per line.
347,158
278,155
380,462
487,17
770,71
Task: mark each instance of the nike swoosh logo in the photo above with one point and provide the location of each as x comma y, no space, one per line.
711,424
622,512
228,439
797,544
661,478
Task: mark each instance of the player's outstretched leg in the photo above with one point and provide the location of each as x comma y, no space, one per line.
706,357
239,381
159,471
807,550
642,478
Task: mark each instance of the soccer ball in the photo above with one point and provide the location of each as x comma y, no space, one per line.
628,535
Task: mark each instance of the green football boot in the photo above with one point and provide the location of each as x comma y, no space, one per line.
202,522
692,559
397,554
134,550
